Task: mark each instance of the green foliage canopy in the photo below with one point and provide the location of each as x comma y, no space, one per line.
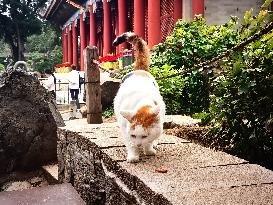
18,20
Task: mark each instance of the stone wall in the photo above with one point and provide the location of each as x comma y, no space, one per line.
219,11
96,177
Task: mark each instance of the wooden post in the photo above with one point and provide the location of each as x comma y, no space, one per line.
92,86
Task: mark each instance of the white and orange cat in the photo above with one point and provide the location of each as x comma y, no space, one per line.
138,105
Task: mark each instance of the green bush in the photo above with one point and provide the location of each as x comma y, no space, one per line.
242,101
189,44
2,67
108,112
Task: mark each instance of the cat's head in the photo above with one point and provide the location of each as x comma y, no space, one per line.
144,124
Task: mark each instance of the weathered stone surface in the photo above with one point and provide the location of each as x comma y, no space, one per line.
28,123
61,194
97,178
109,90
195,174
21,185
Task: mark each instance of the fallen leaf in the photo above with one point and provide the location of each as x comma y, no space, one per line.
161,170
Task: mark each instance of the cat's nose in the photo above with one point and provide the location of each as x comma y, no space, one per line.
138,145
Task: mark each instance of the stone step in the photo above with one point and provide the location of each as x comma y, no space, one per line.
51,173
61,194
192,174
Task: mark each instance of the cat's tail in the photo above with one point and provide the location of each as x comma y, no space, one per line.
142,56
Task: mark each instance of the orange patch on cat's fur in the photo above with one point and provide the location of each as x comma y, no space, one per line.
144,117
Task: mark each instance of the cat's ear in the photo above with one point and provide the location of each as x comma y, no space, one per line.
127,114
155,110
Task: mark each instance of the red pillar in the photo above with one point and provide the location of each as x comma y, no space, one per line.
69,45
177,10
154,31
93,30
116,34
139,18
198,7
87,34
75,43
63,44
83,40
107,28
123,19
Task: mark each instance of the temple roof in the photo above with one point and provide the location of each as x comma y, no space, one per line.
59,11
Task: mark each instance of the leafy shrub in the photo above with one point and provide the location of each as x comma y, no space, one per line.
2,67
171,88
189,44
242,101
108,112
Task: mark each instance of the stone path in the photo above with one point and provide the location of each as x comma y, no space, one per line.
195,175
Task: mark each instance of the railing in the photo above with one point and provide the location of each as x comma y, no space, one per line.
62,92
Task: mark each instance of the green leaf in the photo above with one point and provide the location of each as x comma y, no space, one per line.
266,4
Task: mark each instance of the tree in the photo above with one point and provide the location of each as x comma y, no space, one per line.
18,20
44,50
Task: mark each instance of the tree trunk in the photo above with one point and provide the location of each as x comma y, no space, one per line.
14,51
20,45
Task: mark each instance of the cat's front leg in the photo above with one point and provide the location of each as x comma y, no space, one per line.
132,154
149,149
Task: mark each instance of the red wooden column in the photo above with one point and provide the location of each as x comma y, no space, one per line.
75,43
198,7
123,20
69,45
82,39
117,33
177,10
154,31
139,18
87,35
63,44
107,28
93,30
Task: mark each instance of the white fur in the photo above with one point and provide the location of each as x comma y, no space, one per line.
135,92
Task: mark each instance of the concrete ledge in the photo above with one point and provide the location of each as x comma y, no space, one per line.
97,177
93,159
61,194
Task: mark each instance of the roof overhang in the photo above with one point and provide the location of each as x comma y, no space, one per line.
60,11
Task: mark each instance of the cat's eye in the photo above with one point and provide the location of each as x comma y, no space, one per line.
133,136
143,137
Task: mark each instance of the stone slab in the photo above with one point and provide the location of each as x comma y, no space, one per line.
61,194
243,195
181,119
195,174
180,155
108,134
176,180
52,170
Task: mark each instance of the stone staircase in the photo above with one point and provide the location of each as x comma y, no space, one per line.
95,155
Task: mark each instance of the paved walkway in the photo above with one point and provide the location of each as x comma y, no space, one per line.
195,174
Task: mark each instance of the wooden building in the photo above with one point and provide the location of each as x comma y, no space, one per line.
98,22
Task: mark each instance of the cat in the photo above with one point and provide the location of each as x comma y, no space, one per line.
138,105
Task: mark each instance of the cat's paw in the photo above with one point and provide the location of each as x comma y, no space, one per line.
150,151
132,158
